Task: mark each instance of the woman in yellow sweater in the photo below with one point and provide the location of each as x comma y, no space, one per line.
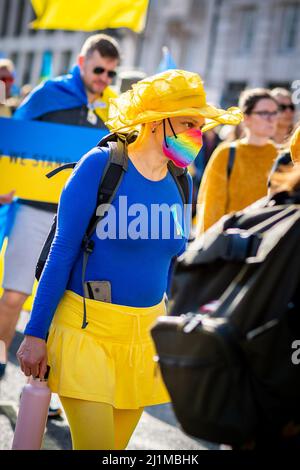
224,191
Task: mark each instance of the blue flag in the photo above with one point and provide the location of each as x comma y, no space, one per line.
167,62
47,66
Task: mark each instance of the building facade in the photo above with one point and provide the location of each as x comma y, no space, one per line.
233,44
258,44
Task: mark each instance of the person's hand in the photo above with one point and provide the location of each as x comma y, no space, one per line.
7,198
32,356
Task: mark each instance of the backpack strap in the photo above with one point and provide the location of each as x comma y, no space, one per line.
231,158
229,245
230,163
180,177
116,166
66,166
127,138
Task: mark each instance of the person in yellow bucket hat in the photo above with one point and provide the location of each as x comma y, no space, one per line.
101,357
174,93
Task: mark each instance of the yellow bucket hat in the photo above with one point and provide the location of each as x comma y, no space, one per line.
295,146
167,94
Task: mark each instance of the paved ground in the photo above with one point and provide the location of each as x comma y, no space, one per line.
157,430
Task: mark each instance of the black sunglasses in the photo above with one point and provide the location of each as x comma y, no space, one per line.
284,107
100,70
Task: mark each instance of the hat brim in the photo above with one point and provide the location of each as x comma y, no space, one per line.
214,116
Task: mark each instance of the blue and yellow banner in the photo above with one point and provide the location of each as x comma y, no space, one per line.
31,149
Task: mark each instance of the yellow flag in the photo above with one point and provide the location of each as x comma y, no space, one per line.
91,15
39,6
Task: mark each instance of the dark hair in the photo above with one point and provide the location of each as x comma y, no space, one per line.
249,98
104,44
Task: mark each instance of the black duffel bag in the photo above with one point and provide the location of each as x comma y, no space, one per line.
228,364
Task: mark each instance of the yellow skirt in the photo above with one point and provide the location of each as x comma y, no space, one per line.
111,360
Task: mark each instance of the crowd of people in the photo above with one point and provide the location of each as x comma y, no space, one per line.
102,368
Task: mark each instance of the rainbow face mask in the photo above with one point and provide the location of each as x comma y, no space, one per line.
184,147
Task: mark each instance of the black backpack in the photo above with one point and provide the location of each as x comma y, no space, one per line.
227,359
111,179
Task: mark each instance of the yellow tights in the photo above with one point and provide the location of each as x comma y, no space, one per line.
99,426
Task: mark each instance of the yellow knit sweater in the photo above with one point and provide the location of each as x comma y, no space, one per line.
247,183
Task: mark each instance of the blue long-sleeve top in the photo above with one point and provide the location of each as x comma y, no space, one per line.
137,265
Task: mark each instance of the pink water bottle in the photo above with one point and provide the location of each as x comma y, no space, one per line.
32,416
